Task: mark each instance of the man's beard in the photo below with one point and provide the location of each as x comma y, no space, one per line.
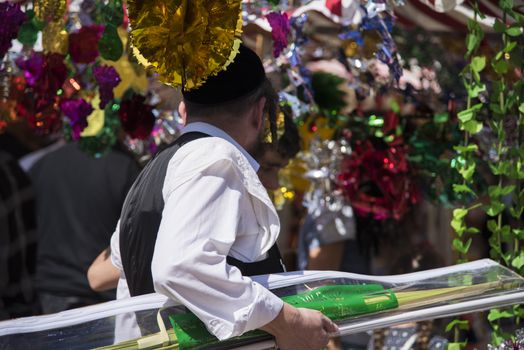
258,148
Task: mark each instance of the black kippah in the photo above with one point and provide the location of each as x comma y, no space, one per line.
242,76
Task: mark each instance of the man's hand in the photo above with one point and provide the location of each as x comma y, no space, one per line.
300,329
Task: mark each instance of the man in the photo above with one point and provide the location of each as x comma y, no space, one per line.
198,221
17,241
78,201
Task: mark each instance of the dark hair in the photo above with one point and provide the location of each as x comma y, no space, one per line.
237,107
288,145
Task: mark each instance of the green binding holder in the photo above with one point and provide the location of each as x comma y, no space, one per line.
336,302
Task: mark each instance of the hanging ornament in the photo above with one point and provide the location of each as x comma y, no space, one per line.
12,19
137,118
83,45
110,46
95,120
76,110
50,10
55,38
107,78
113,13
99,144
29,30
186,41
280,29
32,67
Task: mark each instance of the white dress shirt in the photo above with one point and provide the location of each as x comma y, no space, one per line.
215,206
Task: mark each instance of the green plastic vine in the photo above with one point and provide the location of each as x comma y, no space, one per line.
503,119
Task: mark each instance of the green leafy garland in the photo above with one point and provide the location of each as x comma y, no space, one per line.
501,120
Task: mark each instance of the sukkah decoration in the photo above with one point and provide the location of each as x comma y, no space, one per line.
280,29
137,118
50,10
184,41
376,178
55,38
76,110
99,144
110,45
12,19
107,78
28,32
511,344
83,45
39,104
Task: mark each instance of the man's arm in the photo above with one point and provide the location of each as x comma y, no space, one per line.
199,226
102,275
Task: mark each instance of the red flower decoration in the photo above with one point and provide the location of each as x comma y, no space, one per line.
137,118
39,104
83,45
378,181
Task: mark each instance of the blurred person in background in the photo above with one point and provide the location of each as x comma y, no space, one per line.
17,241
79,199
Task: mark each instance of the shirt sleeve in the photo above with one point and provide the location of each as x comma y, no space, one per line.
199,225
115,248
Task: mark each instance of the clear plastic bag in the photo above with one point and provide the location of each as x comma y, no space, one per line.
423,295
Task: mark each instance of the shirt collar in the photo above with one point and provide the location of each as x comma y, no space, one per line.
213,131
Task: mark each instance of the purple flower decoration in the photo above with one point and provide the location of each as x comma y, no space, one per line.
32,67
77,111
280,29
12,18
107,78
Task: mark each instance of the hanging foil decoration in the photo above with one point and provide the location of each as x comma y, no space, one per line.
76,110
186,41
12,19
55,37
50,10
110,45
99,144
107,78
280,29
29,30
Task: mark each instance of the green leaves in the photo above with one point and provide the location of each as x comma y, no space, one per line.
462,247
469,114
518,262
496,314
472,126
494,208
498,191
467,172
514,31
461,188
478,63
460,324
501,67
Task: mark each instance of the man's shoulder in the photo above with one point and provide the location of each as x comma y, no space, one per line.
209,149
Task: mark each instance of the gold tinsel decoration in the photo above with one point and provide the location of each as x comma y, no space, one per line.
50,10
55,38
185,41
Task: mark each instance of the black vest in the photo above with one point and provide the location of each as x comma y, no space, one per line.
140,220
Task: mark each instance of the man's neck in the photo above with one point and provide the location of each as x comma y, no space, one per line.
229,126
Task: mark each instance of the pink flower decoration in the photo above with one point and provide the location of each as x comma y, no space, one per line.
280,29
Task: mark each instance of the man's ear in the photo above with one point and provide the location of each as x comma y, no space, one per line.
258,119
182,111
